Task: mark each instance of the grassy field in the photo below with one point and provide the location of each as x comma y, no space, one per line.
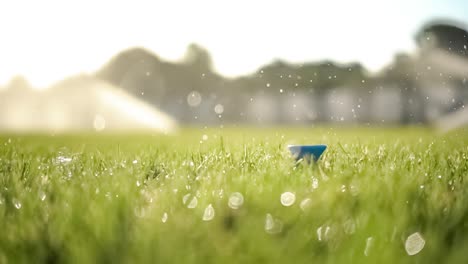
235,196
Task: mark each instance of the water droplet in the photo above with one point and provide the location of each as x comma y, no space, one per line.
268,85
99,122
272,225
343,188
42,195
138,183
135,161
319,234
193,203
164,217
411,157
288,198
194,99
315,183
369,242
305,204
140,212
209,213
236,200
219,109
185,198
63,159
349,226
281,90
205,137
414,244
323,233
17,203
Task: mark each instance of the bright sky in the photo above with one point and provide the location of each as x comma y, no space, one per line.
48,40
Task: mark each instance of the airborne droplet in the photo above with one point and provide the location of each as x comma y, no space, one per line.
219,109
194,99
99,123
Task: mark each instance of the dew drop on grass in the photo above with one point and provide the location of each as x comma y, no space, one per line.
17,203
315,183
319,234
236,200
63,159
193,203
349,227
369,242
135,161
272,225
42,196
140,212
305,204
185,198
205,137
343,188
288,198
414,244
164,217
209,213
323,233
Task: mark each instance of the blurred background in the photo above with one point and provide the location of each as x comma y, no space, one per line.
158,65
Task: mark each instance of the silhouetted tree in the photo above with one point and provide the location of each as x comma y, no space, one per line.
198,58
139,72
445,35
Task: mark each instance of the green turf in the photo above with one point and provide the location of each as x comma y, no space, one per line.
103,198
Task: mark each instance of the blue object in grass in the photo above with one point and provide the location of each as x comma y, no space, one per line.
307,152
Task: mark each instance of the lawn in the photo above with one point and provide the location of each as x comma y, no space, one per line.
235,195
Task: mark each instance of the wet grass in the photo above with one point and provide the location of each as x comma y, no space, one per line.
120,198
